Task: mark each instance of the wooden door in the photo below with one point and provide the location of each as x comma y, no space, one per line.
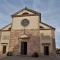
24,48
46,50
4,49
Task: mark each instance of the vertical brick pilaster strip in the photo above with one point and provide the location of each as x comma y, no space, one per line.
53,42
0,36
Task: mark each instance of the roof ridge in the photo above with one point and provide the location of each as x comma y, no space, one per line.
26,9
48,25
5,26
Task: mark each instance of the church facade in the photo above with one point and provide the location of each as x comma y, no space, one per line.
27,34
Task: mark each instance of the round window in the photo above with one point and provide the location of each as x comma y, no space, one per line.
24,22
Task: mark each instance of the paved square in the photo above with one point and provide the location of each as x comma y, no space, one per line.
29,58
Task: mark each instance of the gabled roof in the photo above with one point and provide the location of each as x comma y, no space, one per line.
48,25
27,10
5,26
41,26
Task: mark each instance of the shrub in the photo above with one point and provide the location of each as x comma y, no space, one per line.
9,54
35,54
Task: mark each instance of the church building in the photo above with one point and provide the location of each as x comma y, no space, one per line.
27,34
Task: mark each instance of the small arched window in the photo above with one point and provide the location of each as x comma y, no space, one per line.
41,27
9,28
25,13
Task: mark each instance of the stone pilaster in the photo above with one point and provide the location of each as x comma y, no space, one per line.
53,44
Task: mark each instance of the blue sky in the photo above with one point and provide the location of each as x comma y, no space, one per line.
49,9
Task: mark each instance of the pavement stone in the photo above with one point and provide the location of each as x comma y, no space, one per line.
29,58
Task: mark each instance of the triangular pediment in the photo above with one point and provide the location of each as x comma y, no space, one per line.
25,11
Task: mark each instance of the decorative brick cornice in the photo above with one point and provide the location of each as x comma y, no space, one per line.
45,29
5,30
25,15
4,43
45,43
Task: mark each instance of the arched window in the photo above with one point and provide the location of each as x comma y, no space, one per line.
9,28
41,27
25,13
